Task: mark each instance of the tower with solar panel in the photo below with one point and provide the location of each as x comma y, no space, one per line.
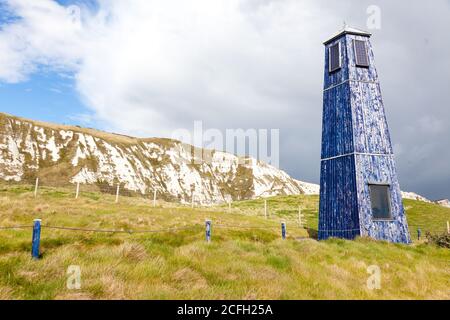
359,189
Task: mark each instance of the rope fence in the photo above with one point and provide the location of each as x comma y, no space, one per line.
15,227
121,231
244,227
37,226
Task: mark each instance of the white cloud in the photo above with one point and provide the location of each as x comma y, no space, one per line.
163,64
168,63
43,35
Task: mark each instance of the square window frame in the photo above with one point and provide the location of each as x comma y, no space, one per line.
387,184
329,58
367,54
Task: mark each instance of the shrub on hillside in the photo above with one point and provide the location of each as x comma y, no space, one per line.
441,240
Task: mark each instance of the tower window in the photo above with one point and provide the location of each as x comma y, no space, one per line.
380,201
362,60
334,57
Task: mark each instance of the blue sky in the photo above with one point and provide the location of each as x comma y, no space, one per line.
148,68
45,96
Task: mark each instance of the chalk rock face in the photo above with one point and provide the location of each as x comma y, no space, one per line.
414,196
443,202
309,188
63,155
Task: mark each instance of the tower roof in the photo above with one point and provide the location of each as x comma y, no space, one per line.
348,30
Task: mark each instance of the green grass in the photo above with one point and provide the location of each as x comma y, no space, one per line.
427,216
239,263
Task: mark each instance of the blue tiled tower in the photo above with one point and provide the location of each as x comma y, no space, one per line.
359,189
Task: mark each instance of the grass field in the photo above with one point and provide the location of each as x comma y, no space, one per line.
241,262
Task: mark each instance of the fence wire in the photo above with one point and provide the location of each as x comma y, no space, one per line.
108,189
16,227
242,227
132,231
120,230
174,229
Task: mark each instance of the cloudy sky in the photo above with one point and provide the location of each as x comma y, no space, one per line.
148,67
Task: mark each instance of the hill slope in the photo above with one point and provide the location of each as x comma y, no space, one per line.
60,155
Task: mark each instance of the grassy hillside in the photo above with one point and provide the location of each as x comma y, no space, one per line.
241,262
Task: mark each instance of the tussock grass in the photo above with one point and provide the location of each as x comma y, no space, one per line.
239,263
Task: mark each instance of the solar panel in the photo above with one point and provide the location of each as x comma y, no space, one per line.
334,53
362,60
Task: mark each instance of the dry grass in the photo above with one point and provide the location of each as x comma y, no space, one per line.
115,138
237,264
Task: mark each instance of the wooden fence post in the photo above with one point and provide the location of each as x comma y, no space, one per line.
77,191
229,205
265,208
192,201
208,224
36,187
36,239
117,192
154,198
283,230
